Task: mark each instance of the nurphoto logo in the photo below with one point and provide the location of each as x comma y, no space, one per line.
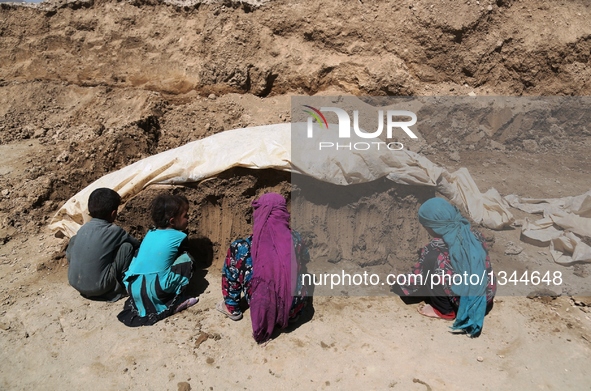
395,119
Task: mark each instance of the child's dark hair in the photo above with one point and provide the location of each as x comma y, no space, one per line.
102,202
167,206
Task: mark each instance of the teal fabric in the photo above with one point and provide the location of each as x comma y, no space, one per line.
158,251
157,274
467,257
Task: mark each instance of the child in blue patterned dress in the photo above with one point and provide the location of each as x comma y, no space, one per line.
162,268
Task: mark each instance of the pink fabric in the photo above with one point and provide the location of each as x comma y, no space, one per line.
274,267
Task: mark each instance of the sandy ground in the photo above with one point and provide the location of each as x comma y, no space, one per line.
89,87
54,339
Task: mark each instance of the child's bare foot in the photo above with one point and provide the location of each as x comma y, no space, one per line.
429,311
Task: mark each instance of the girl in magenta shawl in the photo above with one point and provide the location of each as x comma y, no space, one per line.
274,273
265,268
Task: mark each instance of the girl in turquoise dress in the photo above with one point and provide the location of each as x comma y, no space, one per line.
162,267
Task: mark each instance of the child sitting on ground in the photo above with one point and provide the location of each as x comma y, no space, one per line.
101,251
162,268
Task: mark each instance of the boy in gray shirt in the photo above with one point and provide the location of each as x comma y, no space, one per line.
101,251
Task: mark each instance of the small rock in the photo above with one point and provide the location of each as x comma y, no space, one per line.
489,8
530,146
202,338
471,93
5,192
455,156
512,249
496,145
479,359
63,157
184,386
39,133
546,295
212,96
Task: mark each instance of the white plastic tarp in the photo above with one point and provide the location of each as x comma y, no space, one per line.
270,147
562,219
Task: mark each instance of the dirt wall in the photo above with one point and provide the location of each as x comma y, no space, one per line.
96,85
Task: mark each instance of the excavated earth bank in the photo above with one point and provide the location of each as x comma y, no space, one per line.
88,87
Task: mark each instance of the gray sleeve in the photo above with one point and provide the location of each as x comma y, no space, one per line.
124,237
134,242
69,248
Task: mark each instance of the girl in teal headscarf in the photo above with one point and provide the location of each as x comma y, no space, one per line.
455,250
